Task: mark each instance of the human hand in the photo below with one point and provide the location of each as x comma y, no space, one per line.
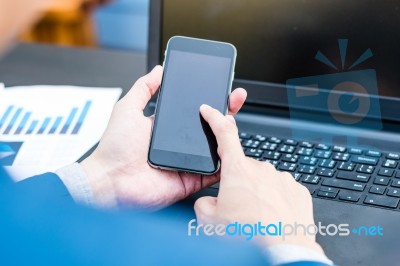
251,191
118,171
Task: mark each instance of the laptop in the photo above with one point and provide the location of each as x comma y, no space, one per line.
323,103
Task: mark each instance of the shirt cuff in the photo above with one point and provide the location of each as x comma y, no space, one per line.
74,178
286,253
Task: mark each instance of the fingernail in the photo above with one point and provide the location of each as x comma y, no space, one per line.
205,107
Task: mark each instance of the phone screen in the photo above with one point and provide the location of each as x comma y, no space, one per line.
190,80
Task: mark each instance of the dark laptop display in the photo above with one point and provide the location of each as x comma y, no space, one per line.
282,40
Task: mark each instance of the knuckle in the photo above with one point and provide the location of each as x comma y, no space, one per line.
198,205
225,127
140,82
288,177
304,192
269,167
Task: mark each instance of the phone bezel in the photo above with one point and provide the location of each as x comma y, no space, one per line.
170,160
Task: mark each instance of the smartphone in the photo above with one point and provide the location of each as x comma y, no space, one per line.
196,72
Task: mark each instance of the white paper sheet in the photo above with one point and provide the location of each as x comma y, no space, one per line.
43,128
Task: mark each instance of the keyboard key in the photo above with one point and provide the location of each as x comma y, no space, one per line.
340,149
271,155
349,196
329,189
365,160
343,184
305,169
353,176
377,190
396,183
287,149
389,163
393,156
338,156
327,163
273,162
367,169
310,188
260,138
323,147
275,140
291,142
355,151
305,151
244,135
296,176
269,146
381,201
311,179
373,153
306,144
253,153
308,160
337,148
397,175
393,192
346,166
322,154
380,180
251,143
326,172
288,166
326,194
291,158
385,172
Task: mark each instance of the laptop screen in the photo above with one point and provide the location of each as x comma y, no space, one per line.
307,44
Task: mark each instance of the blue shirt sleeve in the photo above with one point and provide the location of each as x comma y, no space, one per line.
47,186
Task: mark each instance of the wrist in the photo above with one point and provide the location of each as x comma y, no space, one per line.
100,181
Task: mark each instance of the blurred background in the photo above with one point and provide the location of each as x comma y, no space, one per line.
110,24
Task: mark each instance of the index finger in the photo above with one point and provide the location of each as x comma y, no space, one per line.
224,130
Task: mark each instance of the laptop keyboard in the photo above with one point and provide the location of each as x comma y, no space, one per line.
358,176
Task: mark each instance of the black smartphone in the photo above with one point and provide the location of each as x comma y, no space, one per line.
196,72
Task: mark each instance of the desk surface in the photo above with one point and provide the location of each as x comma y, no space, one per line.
29,64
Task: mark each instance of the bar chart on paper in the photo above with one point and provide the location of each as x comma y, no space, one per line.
43,128
15,120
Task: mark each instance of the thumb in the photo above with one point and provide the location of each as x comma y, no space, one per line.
205,209
144,88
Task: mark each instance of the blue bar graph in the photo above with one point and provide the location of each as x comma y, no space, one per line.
25,122
5,115
55,125
82,117
45,123
12,122
32,127
22,123
69,121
